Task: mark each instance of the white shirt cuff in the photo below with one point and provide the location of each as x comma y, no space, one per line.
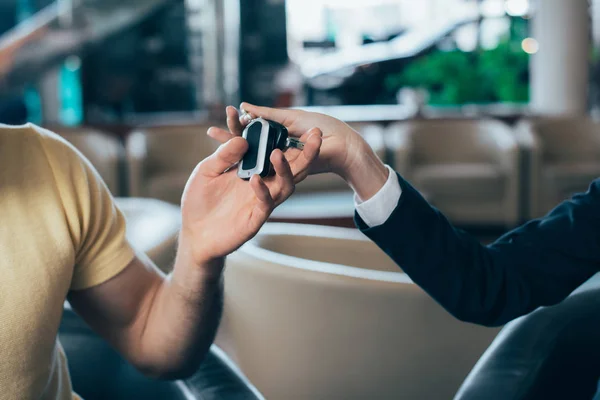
377,209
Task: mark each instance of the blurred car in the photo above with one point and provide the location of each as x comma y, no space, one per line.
357,75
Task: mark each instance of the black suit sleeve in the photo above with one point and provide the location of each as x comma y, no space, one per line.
537,264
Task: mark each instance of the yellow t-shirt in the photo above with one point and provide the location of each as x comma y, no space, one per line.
59,231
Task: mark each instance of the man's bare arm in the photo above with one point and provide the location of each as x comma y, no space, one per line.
161,326
165,325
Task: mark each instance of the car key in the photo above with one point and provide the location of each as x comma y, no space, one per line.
264,136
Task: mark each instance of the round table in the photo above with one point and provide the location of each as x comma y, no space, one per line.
320,208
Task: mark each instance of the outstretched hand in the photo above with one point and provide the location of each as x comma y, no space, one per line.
344,151
236,124
221,212
339,139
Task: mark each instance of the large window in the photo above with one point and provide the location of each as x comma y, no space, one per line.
458,51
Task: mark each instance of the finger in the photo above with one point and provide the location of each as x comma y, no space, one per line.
246,118
304,137
233,121
274,114
226,156
284,176
219,134
261,191
312,147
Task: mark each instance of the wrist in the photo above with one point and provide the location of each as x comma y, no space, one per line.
197,265
195,283
365,172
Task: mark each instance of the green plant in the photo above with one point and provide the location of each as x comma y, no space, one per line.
456,77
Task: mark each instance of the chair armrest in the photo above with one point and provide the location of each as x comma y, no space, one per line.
552,353
219,378
136,155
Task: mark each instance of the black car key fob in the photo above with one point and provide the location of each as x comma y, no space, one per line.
263,136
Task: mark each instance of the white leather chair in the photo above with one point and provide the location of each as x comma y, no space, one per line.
468,169
562,158
161,159
317,312
104,151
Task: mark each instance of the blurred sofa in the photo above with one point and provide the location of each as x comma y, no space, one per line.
468,169
322,313
160,159
561,157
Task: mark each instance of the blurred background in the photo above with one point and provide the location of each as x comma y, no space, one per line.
81,61
488,107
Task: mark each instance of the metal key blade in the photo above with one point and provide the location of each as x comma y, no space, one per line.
294,143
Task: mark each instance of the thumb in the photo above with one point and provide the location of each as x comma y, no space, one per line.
226,156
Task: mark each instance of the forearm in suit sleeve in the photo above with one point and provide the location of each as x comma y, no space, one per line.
537,264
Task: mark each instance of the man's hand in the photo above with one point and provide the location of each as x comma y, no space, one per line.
343,151
339,140
165,326
221,212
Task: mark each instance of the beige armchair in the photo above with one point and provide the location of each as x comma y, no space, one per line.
468,169
329,182
161,159
322,313
104,151
562,157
